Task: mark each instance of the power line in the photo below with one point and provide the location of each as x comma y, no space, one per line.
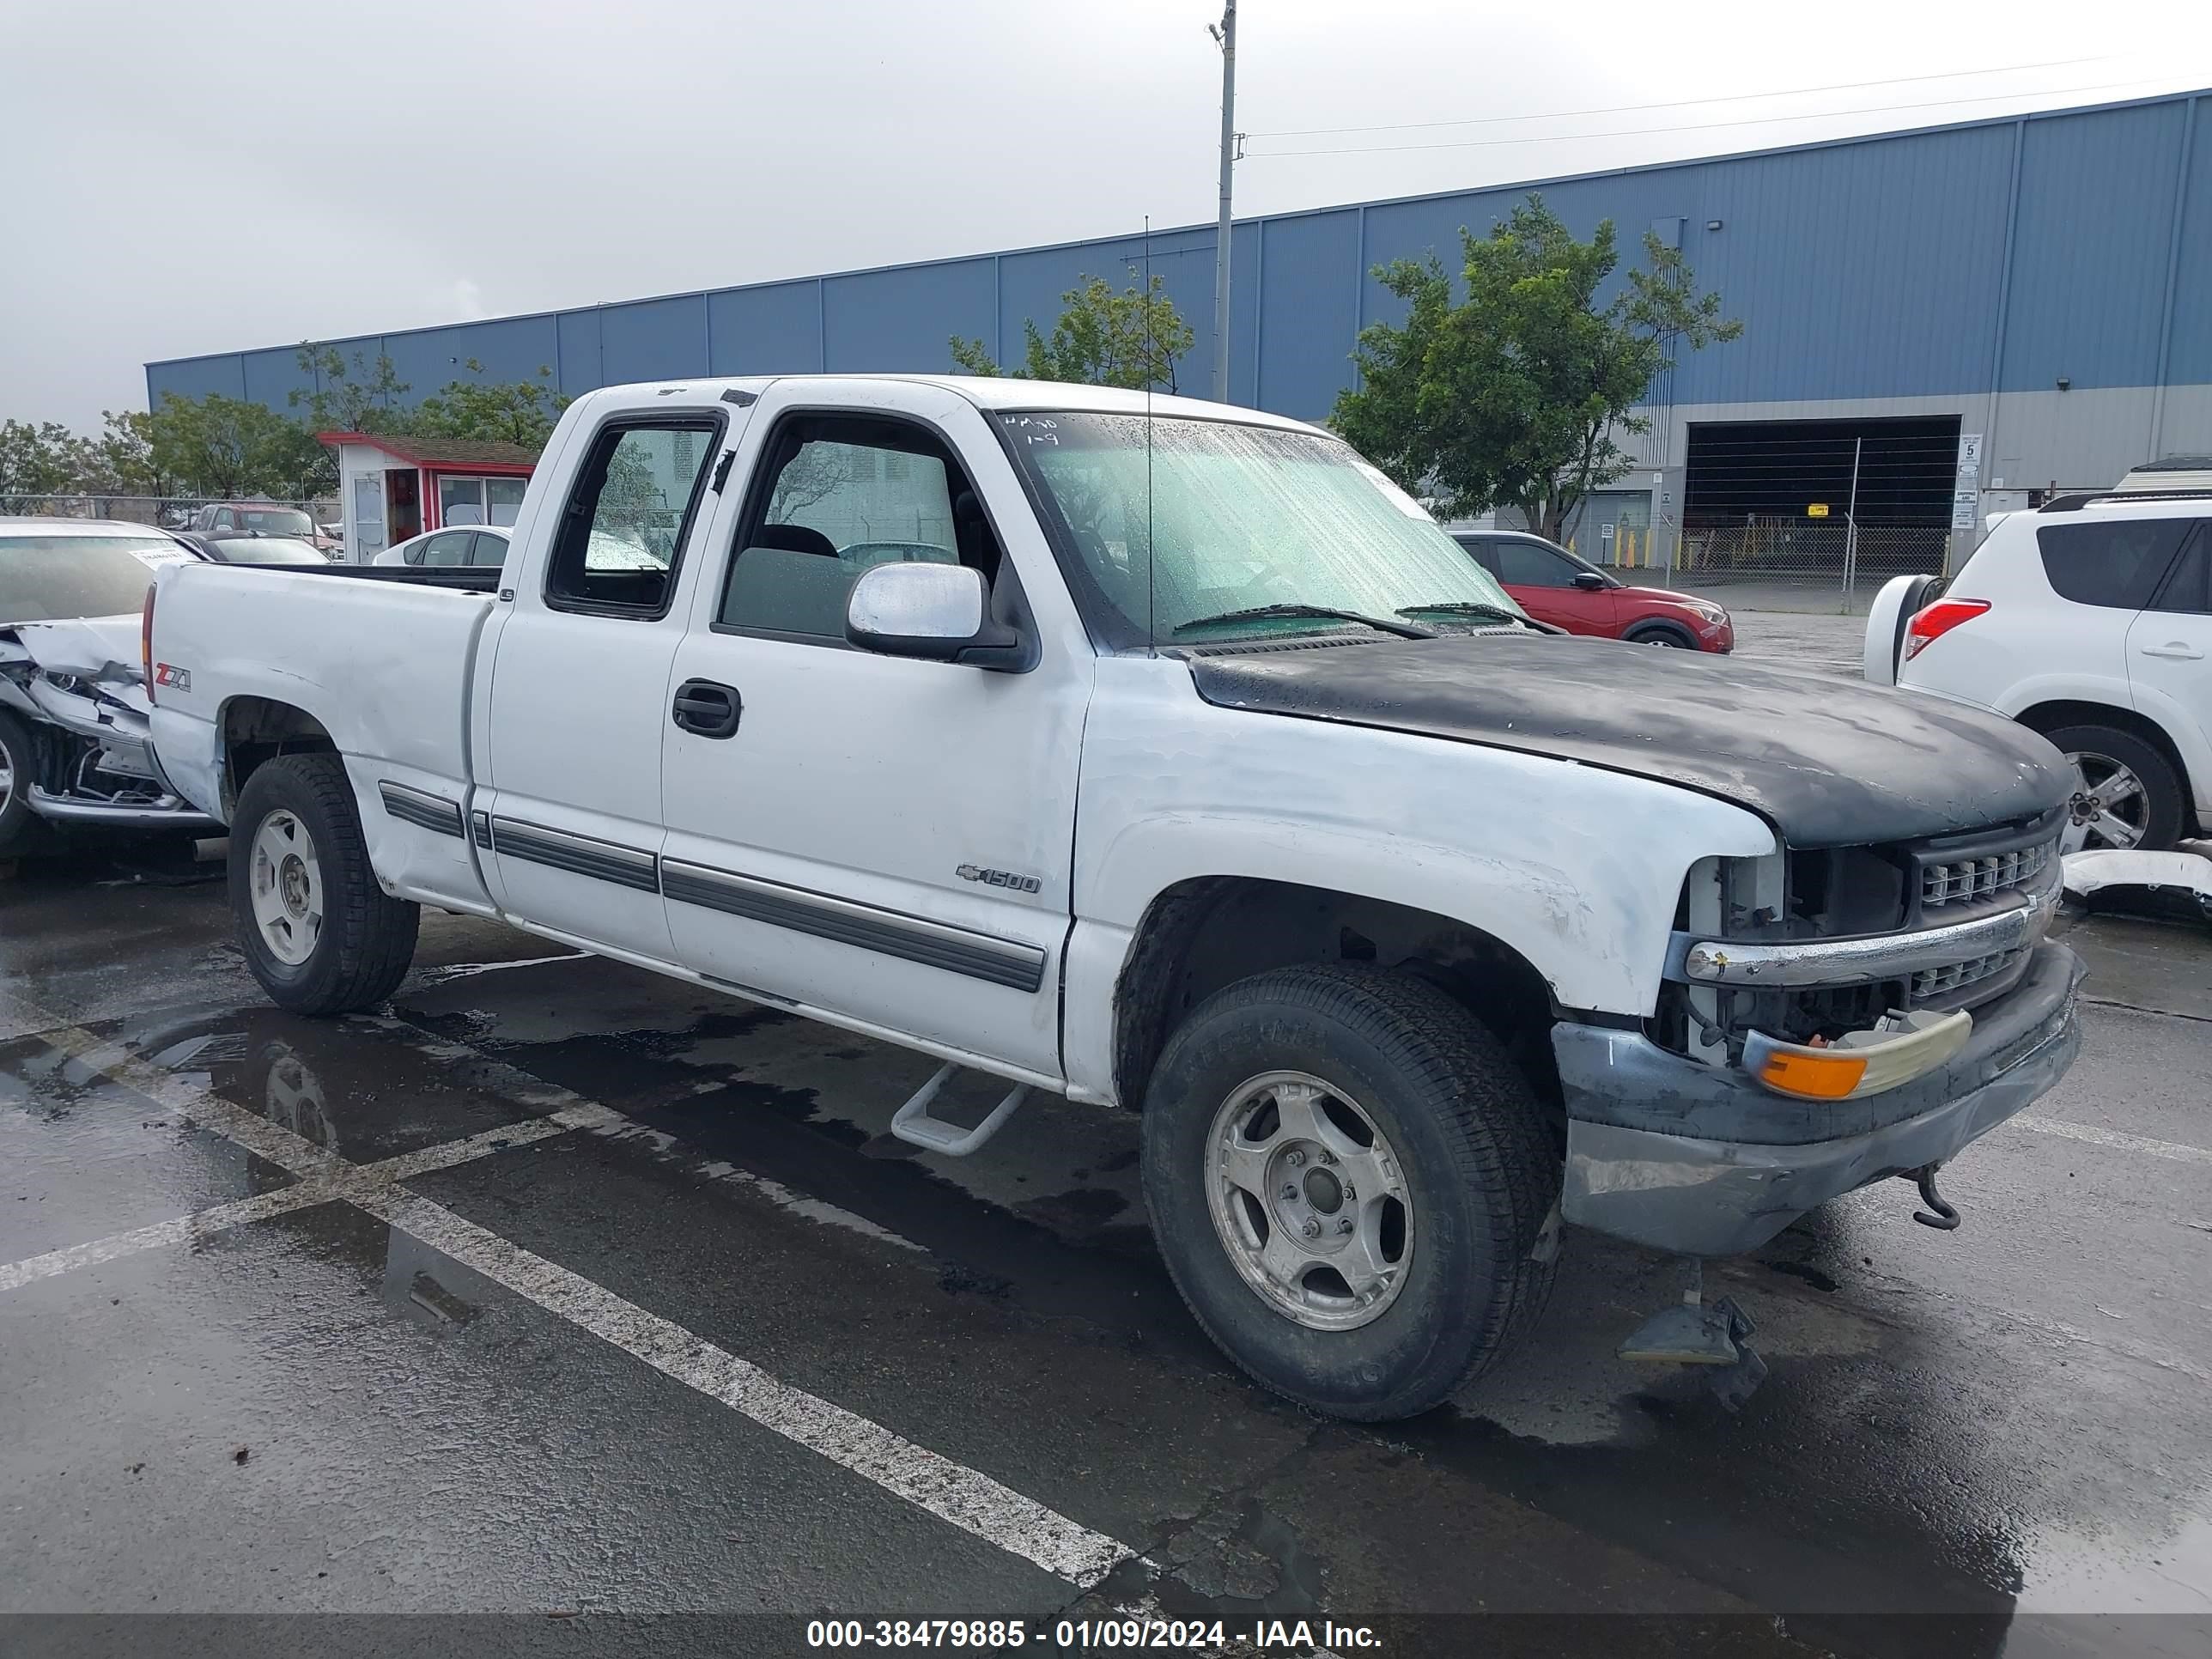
1687,126
1689,103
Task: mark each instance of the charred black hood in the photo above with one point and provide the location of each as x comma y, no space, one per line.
1829,763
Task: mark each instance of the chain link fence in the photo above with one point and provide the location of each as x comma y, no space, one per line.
163,512
1819,552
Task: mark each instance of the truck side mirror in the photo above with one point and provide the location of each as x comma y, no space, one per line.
937,611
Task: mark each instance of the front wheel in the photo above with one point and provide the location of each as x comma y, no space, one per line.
1662,633
18,768
1350,1182
318,933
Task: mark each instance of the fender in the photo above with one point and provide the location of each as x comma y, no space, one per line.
1575,867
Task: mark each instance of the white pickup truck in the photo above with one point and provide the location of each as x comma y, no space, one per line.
1164,756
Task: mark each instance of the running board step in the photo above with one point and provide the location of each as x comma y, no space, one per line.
914,1125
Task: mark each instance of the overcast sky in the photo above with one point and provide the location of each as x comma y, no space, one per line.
185,178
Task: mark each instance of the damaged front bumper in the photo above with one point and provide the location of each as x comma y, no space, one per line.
1665,1152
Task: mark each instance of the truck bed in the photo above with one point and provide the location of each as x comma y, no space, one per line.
383,665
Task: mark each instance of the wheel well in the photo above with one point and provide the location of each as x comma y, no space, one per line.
1203,934
1659,625
2046,718
258,729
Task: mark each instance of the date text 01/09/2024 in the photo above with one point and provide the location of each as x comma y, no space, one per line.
1085,1635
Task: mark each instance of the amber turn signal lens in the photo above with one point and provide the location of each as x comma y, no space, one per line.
1812,1077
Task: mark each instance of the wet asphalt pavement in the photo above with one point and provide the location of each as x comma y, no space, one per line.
567,1293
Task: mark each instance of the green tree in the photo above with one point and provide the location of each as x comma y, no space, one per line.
1513,397
45,459
120,461
1131,338
516,412
362,398
228,447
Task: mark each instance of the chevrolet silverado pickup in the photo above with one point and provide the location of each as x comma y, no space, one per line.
1178,763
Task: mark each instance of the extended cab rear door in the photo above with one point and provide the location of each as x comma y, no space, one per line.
872,836
569,825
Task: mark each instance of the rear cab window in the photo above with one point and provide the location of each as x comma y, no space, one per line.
2114,563
628,513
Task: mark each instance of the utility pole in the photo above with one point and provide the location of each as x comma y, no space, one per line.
1226,35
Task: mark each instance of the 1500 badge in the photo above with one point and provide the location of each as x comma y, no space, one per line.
1006,878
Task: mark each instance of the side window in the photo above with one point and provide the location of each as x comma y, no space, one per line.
834,496
1485,553
2190,587
445,549
2117,563
1524,564
488,552
226,519
626,517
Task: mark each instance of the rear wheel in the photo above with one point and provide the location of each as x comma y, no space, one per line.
2127,793
1349,1182
317,932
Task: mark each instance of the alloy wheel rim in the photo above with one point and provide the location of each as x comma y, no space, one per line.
2110,809
1309,1200
285,880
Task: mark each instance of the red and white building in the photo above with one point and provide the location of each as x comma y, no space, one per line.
396,488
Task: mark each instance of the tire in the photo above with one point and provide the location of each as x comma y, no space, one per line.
1660,633
2093,750
338,941
18,768
1471,1151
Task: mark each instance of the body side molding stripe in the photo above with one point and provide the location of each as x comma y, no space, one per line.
978,956
420,807
606,861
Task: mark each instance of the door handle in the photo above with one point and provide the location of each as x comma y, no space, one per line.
707,709
2174,648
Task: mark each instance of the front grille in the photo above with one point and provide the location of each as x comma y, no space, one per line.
1933,983
1963,881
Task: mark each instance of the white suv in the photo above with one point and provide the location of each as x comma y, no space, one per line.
2091,622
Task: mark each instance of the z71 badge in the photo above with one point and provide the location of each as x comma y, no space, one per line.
1006,878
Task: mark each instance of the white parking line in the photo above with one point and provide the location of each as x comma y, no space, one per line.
2119,1141
953,1493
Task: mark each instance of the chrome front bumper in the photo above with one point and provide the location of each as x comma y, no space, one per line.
2018,922
1667,1152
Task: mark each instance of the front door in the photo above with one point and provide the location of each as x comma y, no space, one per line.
872,836
580,686
1542,583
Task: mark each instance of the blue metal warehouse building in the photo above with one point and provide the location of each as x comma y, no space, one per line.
2043,282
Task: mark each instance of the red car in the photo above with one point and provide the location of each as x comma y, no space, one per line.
1553,586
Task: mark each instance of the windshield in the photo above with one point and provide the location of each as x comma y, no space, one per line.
1236,518
45,578
275,521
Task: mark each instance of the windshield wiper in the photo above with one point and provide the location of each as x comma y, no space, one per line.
1403,630
1463,608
